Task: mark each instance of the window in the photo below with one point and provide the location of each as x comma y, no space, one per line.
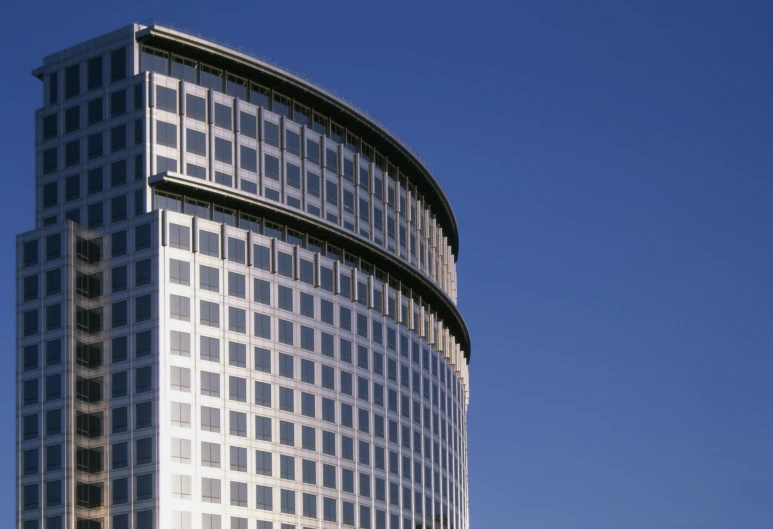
238,459
286,433
195,142
348,513
181,412
209,243
210,452
264,500
262,428
139,131
312,184
166,99
31,497
179,308
95,215
285,298
346,383
53,493
271,133
142,237
72,153
181,487
210,490
117,103
262,257
286,399
30,463
118,208
51,124
365,485
209,278
195,107
223,151
312,150
263,394
210,349
143,449
293,176
223,116
362,388
285,332
53,88
143,415
72,81
309,505
263,464
288,501
236,250
271,167
142,379
166,134
287,467
210,384
94,111
347,480
347,415
329,509
142,272
307,371
53,422
31,357
237,423
307,305
50,160
72,188
118,65
248,125
307,338
224,179
31,322
285,267
237,389
249,158
262,360
262,326
237,354
120,455
30,391
50,194
72,122
210,313
179,272
238,494
180,379
292,142
179,236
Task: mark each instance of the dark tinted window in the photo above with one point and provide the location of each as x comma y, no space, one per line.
195,107
50,126
72,81
95,73
117,65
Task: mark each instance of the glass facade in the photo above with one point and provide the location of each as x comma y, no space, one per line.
188,354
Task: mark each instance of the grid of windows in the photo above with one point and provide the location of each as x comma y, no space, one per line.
412,408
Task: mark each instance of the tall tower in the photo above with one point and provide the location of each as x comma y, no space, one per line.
238,307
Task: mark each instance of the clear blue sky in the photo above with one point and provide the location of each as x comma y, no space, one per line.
611,168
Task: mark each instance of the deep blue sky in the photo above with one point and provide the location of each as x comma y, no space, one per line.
610,165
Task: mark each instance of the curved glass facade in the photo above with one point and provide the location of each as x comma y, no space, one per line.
255,322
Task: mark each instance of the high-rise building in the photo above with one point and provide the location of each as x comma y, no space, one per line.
237,308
